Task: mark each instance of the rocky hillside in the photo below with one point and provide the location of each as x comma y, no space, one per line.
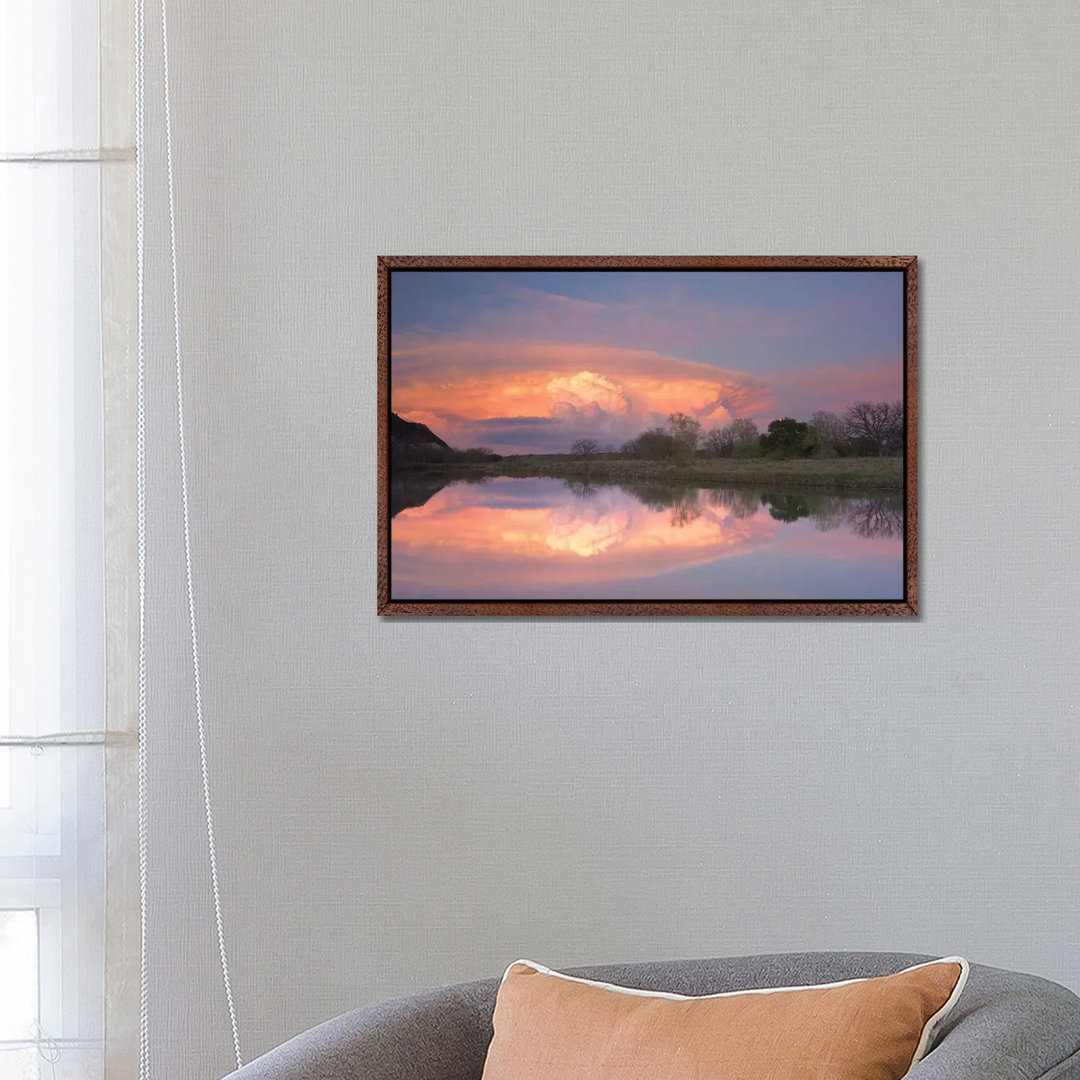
415,442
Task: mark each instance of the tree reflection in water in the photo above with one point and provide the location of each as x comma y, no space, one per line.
680,499
740,503
582,489
868,517
876,517
787,507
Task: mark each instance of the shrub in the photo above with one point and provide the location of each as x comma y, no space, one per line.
475,454
748,448
655,444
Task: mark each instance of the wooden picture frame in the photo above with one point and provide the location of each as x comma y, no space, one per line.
482,583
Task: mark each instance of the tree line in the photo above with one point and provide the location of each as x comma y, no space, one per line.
866,428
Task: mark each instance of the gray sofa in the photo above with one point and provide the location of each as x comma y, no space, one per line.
1005,1026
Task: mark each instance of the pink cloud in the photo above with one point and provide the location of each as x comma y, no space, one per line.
660,319
461,388
833,388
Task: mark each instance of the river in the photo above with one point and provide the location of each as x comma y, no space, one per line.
548,539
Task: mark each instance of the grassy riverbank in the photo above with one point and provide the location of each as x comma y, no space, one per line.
855,475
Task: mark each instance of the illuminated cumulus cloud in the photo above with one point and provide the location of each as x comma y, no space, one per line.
587,393
528,396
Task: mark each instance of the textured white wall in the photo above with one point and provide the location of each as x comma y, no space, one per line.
409,803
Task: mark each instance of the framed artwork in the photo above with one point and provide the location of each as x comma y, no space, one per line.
645,436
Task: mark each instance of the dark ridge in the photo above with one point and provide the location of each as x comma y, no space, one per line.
405,434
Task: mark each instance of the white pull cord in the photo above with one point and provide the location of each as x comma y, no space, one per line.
140,455
140,198
197,680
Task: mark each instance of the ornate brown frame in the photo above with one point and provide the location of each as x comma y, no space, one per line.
906,263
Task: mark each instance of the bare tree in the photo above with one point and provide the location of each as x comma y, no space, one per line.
685,430
832,428
718,441
894,439
585,448
721,441
879,424
742,428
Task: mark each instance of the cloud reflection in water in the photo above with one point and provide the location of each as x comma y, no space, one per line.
543,538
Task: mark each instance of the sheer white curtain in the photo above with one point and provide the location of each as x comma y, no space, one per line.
62,241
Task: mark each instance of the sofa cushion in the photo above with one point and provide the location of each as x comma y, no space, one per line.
552,1026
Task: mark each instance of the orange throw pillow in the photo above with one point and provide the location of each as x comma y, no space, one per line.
550,1026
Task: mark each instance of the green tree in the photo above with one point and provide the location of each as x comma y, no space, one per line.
786,437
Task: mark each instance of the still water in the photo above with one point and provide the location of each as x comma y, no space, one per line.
547,539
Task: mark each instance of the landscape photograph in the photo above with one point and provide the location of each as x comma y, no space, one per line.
639,436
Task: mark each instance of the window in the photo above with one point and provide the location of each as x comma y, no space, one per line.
52,578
